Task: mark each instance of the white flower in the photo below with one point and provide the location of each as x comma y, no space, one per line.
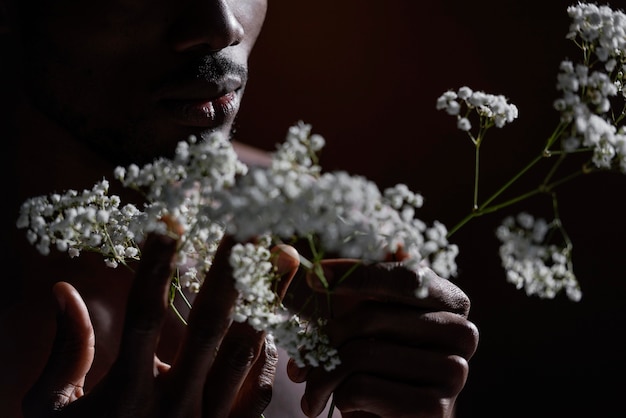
531,263
209,192
589,87
492,109
464,124
600,27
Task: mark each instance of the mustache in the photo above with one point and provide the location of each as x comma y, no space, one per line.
212,68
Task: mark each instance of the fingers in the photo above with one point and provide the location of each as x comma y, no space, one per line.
70,360
390,282
209,321
146,308
408,371
237,354
253,378
443,331
218,354
243,372
381,398
256,392
400,353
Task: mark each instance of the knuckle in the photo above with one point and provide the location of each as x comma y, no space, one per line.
241,351
454,373
263,394
465,336
36,404
434,407
240,357
462,303
354,393
472,336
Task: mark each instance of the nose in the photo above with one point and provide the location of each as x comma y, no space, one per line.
207,24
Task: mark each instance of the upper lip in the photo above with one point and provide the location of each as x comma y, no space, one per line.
199,89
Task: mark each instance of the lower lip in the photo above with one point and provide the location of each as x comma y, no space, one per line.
203,113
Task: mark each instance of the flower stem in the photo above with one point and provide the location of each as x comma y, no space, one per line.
476,171
485,207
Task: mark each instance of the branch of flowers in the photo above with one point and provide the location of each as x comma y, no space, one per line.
478,210
482,209
543,188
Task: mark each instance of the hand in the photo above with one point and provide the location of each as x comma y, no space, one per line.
402,356
224,369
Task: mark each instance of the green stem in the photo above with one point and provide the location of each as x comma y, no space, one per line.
484,207
476,171
178,314
544,188
511,181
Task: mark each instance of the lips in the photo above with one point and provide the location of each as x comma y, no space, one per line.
203,113
200,104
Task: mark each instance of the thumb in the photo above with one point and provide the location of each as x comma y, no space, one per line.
63,377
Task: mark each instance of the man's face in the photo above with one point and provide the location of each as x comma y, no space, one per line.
134,77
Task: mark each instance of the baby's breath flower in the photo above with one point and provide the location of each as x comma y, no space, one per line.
209,192
258,306
533,264
589,87
464,124
74,221
492,110
600,28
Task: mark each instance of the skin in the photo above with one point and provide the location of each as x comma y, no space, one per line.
103,84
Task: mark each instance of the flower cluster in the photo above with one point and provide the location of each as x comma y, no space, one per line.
590,87
532,263
592,110
348,215
87,221
209,192
491,109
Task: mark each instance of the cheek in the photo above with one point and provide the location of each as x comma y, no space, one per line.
97,52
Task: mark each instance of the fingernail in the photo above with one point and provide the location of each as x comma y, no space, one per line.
286,258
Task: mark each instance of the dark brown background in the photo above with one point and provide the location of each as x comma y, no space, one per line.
366,75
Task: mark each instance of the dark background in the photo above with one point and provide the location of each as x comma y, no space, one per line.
366,75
